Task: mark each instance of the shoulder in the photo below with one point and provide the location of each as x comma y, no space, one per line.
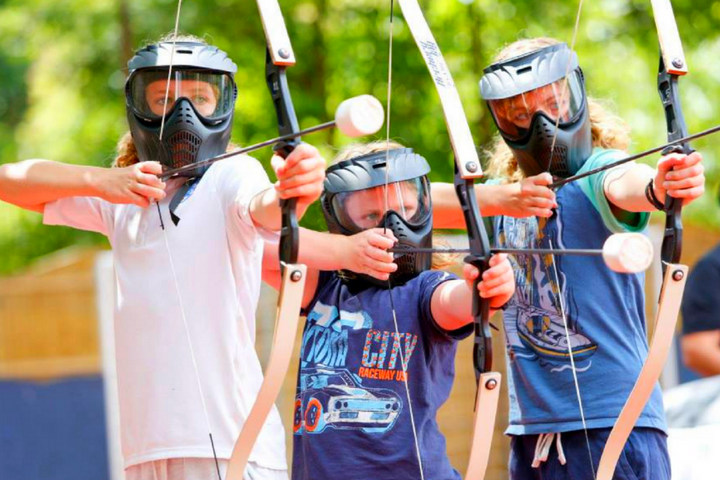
239,166
237,176
601,157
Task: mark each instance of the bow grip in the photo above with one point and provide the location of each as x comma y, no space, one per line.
676,127
482,348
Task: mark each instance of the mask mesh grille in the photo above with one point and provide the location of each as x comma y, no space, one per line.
557,164
406,264
183,147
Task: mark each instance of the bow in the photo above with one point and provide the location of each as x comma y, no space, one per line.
279,56
467,169
672,66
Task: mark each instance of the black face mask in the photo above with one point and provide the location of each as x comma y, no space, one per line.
189,135
410,265
536,153
186,138
369,172
531,86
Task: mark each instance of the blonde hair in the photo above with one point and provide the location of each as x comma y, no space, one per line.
126,152
440,261
359,149
608,130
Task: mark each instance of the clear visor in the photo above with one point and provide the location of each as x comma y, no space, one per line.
211,93
363,209
514,115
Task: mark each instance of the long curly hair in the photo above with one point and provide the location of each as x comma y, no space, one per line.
440,261
126,152
608,130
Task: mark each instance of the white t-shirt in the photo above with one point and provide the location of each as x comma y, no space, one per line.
217,254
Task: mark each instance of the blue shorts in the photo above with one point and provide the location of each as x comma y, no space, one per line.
645,456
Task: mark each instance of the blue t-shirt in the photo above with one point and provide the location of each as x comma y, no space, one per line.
701,302
352,417
605,314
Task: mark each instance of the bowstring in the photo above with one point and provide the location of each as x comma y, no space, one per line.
398,337
563,312
176,283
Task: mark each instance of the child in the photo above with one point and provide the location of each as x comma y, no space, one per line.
186,293
548,125
377,357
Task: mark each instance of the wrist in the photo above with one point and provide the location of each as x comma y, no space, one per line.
93,181
344,251
493,198
652,197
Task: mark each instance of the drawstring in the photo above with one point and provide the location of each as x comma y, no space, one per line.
542,449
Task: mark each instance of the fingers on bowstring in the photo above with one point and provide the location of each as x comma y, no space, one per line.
139,200
148,192
382,238
153,168
543,179
149,179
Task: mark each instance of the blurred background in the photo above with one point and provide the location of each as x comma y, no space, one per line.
62,72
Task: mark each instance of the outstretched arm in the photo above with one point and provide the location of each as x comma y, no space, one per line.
527,198
680,176
299,176
452,301
365,252
33,183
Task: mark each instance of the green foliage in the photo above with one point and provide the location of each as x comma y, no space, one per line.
62,74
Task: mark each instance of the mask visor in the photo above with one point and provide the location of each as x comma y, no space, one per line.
212,94
363,209
560,99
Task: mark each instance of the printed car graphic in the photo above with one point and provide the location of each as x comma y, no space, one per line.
333,398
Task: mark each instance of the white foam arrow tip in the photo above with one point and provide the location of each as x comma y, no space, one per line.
359,116
628,252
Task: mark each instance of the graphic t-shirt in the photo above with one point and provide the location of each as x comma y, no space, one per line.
352,414
605,313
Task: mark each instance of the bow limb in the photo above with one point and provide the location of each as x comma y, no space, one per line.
672,66
279,56
467,169
667,314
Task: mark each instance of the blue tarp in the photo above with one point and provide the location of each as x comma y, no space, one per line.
53,430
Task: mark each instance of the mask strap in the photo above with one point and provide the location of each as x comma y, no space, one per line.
179,197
